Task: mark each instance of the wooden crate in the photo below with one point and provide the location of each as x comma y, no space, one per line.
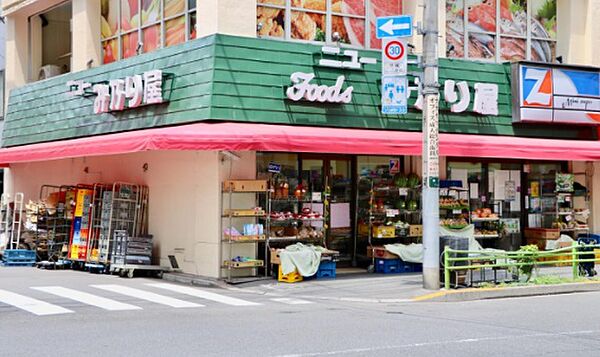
415,230
275,259
245,185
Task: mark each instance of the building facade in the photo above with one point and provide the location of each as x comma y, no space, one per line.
227,85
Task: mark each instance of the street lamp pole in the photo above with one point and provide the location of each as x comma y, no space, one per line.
431,191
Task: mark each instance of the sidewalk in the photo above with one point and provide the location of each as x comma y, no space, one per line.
347,287
405,288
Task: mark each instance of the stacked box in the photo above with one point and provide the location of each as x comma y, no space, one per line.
131,250
326,270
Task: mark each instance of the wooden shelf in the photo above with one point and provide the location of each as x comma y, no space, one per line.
485,219
482,236
244,239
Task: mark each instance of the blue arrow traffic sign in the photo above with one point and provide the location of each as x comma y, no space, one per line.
394,26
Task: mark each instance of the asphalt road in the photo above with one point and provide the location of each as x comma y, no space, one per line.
74,313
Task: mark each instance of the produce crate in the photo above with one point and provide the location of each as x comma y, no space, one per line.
363,229
387,266
326,270
415,230
18,257
245,185
384,231
380,252
275,259
292,277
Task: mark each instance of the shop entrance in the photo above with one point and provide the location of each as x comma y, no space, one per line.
329,178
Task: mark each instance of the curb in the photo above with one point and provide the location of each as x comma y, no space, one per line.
472,294
189,279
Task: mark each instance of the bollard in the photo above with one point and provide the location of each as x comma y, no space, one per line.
446,271
574,258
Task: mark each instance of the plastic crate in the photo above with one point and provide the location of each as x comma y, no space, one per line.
292,277
326,270
18,257
387,266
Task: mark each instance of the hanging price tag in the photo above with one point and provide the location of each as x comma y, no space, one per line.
403,191
568,218
456,211
392,212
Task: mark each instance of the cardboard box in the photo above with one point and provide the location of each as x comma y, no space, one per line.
363,229
381,253
245,185
542,233
275,259
384,231
415,230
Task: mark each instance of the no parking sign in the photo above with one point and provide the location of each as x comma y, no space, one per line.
394,57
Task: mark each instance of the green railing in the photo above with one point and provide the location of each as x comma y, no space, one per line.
515,259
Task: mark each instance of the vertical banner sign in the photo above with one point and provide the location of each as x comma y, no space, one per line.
431,159
81,225
394,84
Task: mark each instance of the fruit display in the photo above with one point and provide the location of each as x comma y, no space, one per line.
453,203
454,223
400,180
306,214
483,213
486,232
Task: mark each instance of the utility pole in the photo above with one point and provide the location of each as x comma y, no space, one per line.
431,165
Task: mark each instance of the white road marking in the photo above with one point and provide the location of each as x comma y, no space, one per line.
204,294
291,301
146,295
85,298
372,350
32,305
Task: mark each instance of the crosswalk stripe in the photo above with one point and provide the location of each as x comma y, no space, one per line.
146,295
85,298
204,294
291,301
32,305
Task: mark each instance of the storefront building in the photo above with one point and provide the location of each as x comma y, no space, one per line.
228,106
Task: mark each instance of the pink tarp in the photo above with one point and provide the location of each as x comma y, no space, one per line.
263,137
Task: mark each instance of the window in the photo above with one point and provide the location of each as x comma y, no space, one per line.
50,42
131,27
350,22
526,29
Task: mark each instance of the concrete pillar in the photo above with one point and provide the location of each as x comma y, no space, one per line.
577,29
16,52
230,17
85,33
35,48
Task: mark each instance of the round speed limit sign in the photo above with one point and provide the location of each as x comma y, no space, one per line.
394,50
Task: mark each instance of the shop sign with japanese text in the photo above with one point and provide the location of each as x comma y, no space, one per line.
120,94
556,94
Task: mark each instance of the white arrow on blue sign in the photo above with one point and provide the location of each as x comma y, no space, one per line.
394,26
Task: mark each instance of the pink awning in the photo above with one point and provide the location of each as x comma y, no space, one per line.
263,137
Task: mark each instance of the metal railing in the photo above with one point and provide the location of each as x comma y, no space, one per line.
476,260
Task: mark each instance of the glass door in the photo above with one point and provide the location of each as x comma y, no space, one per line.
340,236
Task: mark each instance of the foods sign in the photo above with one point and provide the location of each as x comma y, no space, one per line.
552,94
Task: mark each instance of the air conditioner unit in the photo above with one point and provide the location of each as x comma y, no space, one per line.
48,71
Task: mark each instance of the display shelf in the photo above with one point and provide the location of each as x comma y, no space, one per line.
244,265
243,213
293,238
288,220
483,236
234,216
494,219
244,239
